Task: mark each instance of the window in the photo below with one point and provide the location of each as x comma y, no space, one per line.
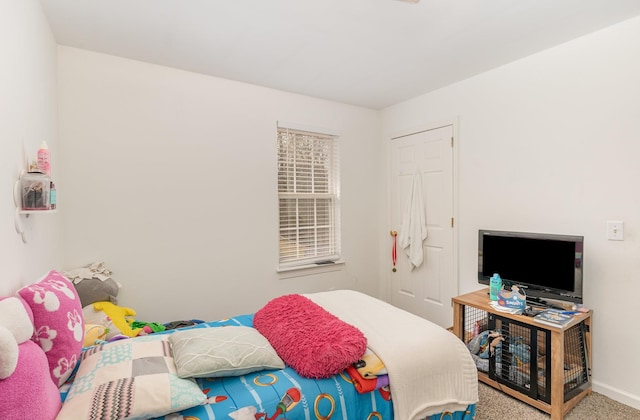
308,195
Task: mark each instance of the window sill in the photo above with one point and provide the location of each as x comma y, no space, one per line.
306,270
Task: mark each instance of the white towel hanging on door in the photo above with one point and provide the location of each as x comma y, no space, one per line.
413,230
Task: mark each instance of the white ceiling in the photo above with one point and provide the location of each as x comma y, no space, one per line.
371,53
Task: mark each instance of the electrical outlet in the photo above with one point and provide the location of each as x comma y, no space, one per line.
615,230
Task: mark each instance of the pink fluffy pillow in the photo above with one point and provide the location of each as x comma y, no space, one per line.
58,322
313,342
29,393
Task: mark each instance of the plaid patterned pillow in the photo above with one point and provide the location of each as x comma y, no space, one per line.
133,378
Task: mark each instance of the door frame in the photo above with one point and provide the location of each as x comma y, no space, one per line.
387,240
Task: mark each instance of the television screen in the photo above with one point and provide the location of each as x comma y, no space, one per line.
549,265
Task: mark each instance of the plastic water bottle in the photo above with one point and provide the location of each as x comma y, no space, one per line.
495,284
44,159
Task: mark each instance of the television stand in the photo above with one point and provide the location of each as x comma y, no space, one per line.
557,372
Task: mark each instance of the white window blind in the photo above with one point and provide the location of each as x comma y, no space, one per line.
309,194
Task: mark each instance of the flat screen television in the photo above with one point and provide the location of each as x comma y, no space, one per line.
548,265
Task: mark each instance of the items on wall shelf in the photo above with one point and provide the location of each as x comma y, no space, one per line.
33,192
44,159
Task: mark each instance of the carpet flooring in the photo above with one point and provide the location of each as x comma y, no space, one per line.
495,405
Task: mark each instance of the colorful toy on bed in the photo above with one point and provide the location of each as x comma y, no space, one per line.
93,334
116,319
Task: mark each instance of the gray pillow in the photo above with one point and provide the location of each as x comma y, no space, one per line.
95,290
222,351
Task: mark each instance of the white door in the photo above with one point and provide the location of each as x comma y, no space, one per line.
425,290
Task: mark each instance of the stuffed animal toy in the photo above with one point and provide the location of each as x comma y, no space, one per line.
93,333
23,367
96,290
94,284
16,327
113,317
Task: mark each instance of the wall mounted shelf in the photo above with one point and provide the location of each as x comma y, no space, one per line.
28,212
19,213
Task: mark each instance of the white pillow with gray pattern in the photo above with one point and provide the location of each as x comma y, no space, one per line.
222,351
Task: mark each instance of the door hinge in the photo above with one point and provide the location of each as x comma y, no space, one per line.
451,141
452,222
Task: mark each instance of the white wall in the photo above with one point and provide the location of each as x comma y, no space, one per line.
28,106
170,178
551,143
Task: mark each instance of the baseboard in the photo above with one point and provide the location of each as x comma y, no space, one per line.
616,394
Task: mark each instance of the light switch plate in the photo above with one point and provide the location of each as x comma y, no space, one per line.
615,230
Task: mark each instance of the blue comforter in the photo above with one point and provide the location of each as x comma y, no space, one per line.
283,394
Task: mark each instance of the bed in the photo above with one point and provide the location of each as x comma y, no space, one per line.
329,355
431,373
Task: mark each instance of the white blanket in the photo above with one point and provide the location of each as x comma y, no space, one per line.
430,370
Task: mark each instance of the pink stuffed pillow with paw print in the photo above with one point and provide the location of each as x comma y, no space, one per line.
58,322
